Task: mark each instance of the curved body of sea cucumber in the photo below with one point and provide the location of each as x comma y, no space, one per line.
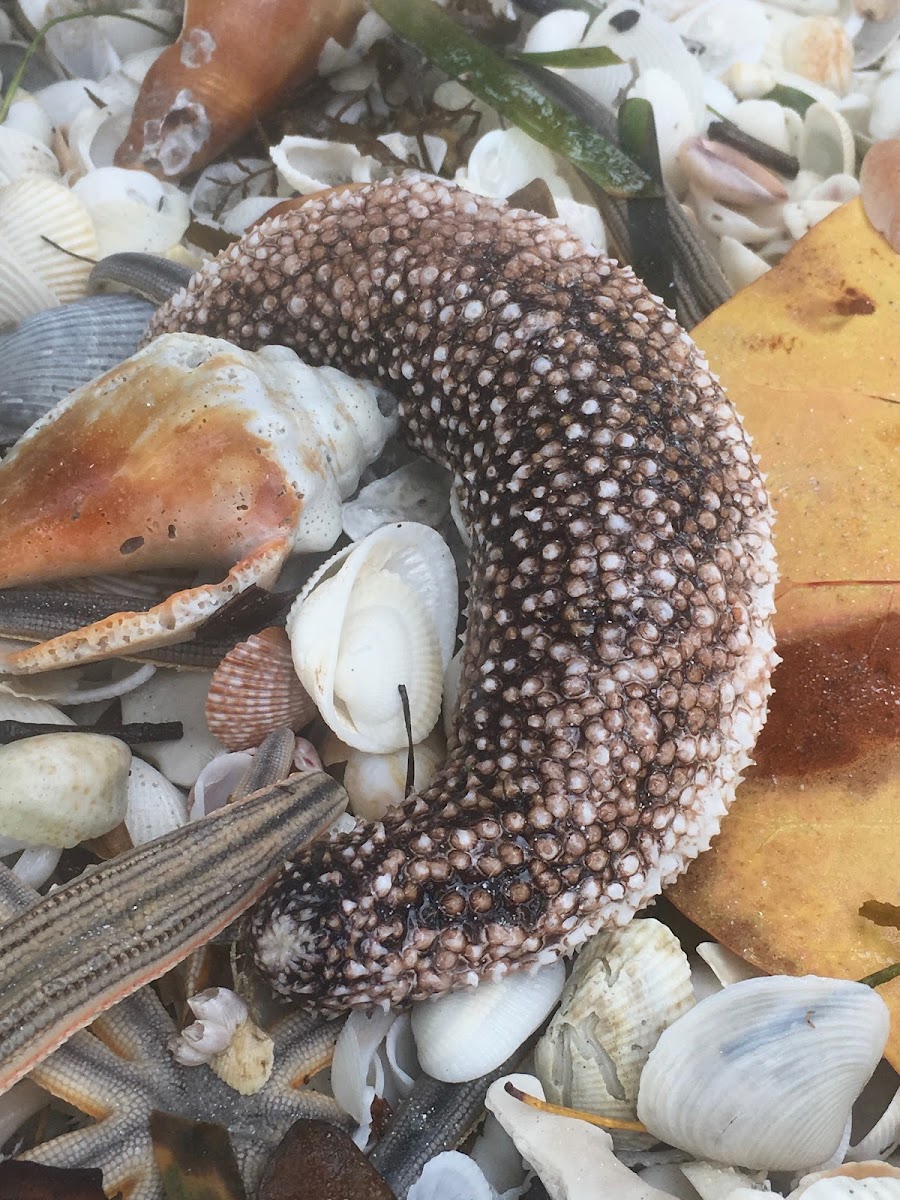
618,651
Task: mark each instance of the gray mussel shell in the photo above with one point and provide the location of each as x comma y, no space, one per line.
54,351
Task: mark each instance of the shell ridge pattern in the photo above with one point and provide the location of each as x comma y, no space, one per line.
619,648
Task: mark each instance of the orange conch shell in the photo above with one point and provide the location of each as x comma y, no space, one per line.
231,63
192,452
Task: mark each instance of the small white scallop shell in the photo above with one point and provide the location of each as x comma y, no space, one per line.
627,986
34,209
559,30
375,782
380,614
155,806
764,1074
462,1035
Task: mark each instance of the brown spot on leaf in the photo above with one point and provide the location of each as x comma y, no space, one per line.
854,303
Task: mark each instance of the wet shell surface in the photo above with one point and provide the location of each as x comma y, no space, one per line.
53,352
764,1073
57,789
627,986
463,1035
254,690
376,616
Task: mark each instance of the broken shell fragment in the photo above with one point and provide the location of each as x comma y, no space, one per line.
627,986
254,690
377,616
57,789
229,66
574,1160
263,472
764,1074
464,1035
879,181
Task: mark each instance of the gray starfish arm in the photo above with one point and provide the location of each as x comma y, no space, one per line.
119,1146
15,896
304,1045
138,1029
89,1075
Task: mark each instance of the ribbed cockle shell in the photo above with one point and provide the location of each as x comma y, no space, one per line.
254,690
378,615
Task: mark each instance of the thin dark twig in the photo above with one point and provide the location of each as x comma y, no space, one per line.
410,753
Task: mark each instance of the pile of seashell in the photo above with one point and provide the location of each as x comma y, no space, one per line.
724,1085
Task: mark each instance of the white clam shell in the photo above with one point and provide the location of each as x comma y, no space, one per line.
23,154
764,1073
133,211
504,160
380,614
451,1176
375,782
640,36
627,986
95,46
558,30
713,1181
769,122
26,708
462,1035
224,186
184,693
155,806
57,789
727,31
311,164
34,209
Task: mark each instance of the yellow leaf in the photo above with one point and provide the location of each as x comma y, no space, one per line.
810,354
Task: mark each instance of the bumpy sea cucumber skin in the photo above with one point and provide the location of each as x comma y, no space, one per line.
619,648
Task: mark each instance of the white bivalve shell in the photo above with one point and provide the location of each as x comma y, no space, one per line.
375,782
380,614
627,986
462,1035
764,1074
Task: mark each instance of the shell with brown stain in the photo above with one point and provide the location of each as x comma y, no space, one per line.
231,63
192,452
